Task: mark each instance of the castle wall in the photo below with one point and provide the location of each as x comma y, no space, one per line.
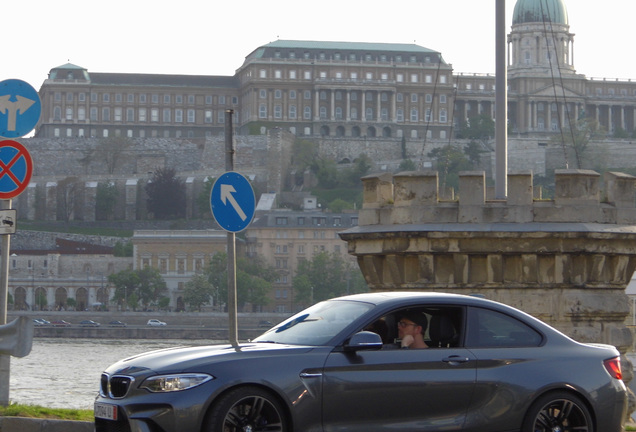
265,159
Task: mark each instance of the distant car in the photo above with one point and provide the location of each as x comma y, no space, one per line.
155,323
89,323
40,322
117,324
340,366
60,323
265,324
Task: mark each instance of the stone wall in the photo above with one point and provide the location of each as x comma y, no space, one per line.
265,159
64,183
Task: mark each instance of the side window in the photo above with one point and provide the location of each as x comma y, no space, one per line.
441,325
492,329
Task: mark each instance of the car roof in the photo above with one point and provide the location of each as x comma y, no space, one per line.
379,298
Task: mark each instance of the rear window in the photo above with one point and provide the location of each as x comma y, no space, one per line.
488,328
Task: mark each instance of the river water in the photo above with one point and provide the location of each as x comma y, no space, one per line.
65,373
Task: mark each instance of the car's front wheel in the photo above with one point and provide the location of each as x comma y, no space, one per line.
248,409
560,411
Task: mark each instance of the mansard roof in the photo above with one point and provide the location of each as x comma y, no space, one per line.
101,78
314,49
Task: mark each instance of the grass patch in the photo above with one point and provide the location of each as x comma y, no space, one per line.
34,411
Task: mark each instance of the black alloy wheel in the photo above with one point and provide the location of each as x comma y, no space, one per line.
558,412
247,409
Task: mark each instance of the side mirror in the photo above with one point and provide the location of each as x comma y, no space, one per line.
364,340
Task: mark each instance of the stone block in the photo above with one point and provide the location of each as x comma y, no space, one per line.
470,213
520,189
620,189
472,188
576,187
415,188
377,190
570,214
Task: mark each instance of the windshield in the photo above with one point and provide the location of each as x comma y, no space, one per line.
317,324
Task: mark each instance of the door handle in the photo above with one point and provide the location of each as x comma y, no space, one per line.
455,359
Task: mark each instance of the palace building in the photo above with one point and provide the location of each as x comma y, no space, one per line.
348,89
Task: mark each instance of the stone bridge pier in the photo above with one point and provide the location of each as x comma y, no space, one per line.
566,261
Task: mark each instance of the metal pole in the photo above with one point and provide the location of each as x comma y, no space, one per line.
231,240
501,102
5,360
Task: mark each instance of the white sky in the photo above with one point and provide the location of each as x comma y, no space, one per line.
213,37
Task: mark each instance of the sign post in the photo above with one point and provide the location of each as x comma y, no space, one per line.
233,204
20,109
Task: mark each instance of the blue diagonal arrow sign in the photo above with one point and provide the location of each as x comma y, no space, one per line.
232,201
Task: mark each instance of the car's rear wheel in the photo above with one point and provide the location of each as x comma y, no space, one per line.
248,409
561,412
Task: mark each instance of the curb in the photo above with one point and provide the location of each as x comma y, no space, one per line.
23,424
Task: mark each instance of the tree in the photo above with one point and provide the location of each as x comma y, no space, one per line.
108,152
67,190
198,291
123,249
126,283
105,200
326,171
579,137
151,286
449,161
338,205
351,177
474,150
253,280
216,272
132,287
326,276
203,199
166,194
407,165
480,128
71,303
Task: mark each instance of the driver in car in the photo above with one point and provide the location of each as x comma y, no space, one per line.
411,329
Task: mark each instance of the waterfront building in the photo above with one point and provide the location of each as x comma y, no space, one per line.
44,279
178,255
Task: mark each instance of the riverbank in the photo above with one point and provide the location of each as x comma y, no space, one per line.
164,332
179,325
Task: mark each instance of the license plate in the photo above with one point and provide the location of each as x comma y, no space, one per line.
105,411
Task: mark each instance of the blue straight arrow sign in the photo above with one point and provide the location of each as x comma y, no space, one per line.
232,201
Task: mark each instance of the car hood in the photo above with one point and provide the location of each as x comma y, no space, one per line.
187,359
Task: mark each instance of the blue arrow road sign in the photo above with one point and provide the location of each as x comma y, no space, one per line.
232,201
20,108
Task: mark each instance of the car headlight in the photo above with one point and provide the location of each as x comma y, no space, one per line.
176,382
